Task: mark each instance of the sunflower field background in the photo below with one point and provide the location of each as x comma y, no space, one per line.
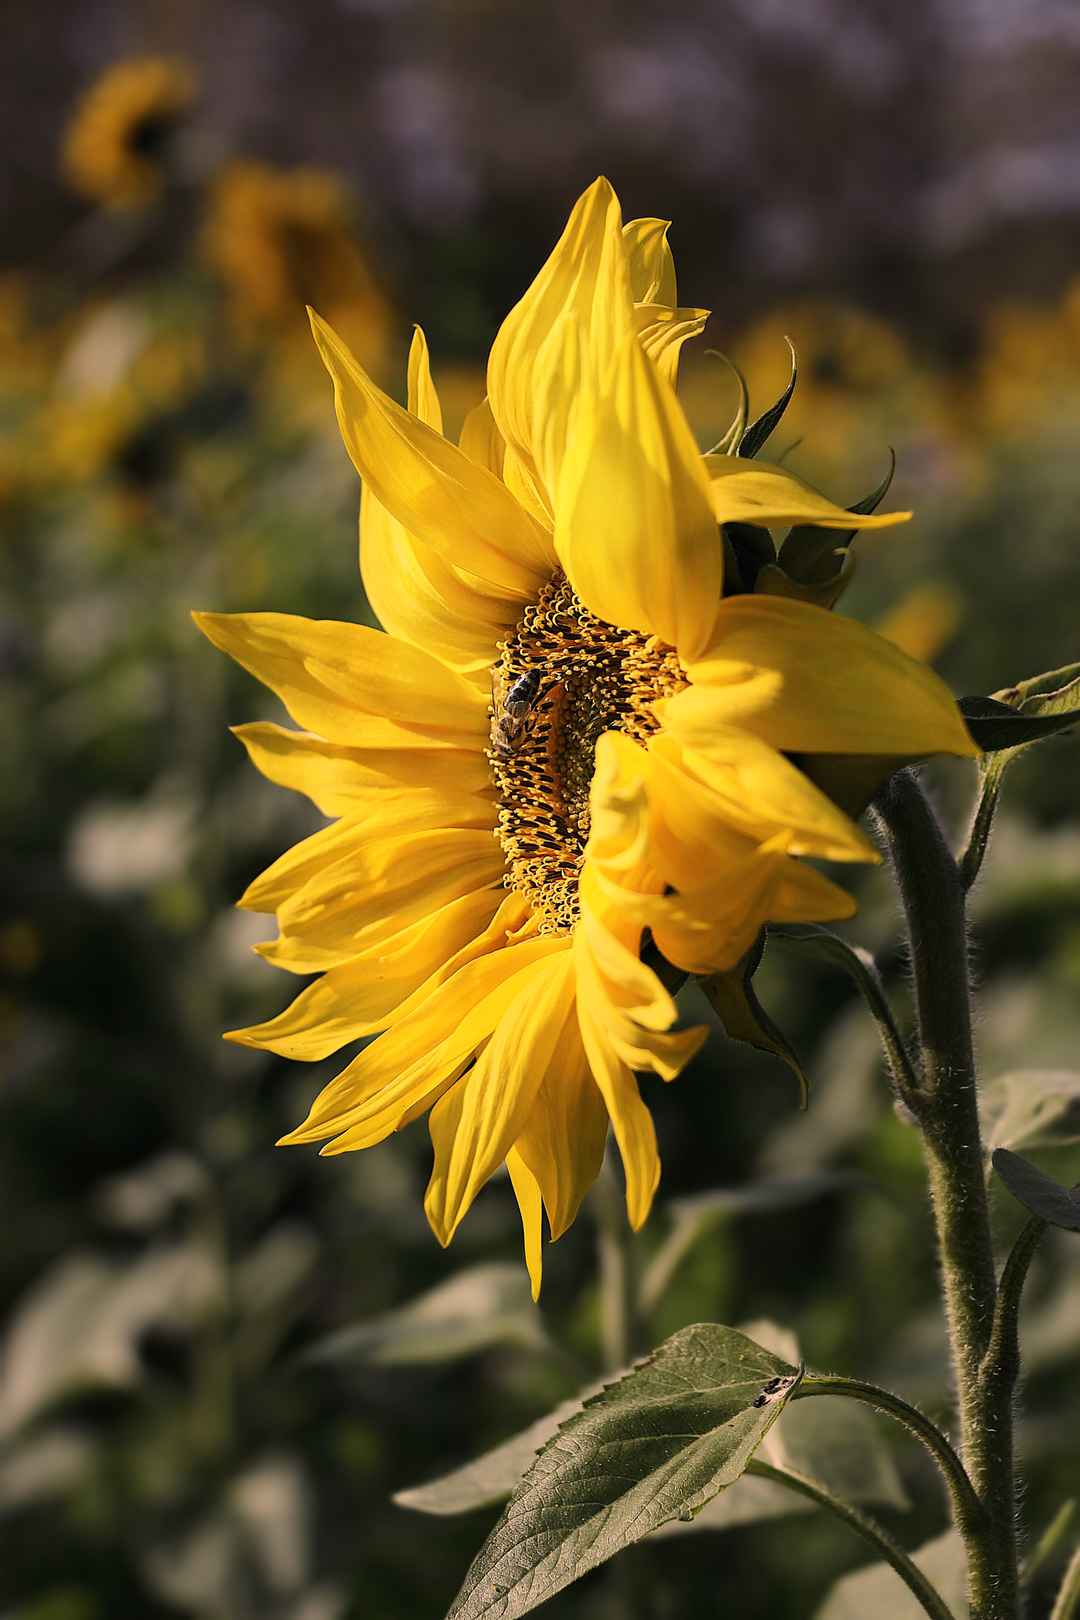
220,1360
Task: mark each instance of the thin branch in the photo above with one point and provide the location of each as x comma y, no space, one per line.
861,968
883,1544
967,1509
1002,1359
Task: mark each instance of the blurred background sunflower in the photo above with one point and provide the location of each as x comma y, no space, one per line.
210,1378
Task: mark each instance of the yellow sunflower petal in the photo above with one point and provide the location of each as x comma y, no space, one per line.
651,263
731,777
563,1139
415,593
476,1123
481,440
634,530
327,673
446,500
423,396
809,681
342,782
396,1074
360,997
290,872
751,491
587,275
382,886
631,1121
527,1193
662,333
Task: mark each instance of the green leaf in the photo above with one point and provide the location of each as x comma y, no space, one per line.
745,1019
837,1443
760,429
495,1475
1040,1195
656,1446
1032,1108
877,1591
484,1306
995,726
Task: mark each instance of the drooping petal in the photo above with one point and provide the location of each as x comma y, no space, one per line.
808,681
586,275
328,674
527,1192
398,1073
651,263
634,530
732,778
476,1123
290,872
752,491
442,497
564,1136
631,1121
360,997
349,781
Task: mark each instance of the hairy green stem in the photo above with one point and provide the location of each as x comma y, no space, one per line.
1002,1360
883,1544
967,1509
1067,1602
932,891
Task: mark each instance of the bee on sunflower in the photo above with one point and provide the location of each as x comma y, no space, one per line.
568,743
117,144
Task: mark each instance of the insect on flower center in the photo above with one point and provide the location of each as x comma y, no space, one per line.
563,678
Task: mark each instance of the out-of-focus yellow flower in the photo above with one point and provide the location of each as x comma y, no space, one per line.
116,146
850,365
1028,365
923,621
281,239
567,737
120,381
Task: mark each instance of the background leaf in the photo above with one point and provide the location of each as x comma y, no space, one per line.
1040,1194
878,1590
481,1307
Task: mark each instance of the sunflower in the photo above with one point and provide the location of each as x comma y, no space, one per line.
117,143
568,743
284,238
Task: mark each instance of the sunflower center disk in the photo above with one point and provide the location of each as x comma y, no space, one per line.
590,677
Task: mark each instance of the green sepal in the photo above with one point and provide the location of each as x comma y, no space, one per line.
735,1003
760,429
751,549
816,565
728,445
851,781
773,581
1040,1194
808,554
